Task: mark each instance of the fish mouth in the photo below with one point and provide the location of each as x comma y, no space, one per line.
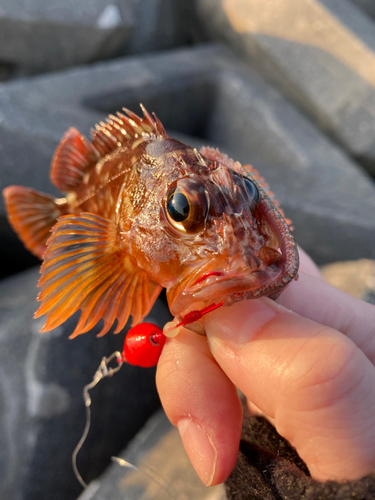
220,285
243,283
239,280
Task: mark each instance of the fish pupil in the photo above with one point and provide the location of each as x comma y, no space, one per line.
253,190
178,207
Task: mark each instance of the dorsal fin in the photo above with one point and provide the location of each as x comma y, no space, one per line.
74,156
117,130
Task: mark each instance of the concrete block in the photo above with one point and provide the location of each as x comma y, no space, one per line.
205,92
162,471
47,35
161,25
321,55
42,414
319,187
42,35
6,71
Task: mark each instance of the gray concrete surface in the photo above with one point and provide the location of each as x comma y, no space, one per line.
367,6
321,55
47,35
161,469
42,414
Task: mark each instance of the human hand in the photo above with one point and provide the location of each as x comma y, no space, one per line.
310,372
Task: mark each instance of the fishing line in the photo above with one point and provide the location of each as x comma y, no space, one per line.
103,371
149,475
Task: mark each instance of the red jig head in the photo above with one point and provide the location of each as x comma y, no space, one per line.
143,345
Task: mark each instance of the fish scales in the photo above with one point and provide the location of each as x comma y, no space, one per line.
141,211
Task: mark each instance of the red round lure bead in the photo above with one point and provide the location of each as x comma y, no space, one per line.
139,347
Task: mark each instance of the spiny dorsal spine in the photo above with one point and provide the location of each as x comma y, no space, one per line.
117,130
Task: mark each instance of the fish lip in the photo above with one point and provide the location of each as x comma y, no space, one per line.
232,286
241,283
228,288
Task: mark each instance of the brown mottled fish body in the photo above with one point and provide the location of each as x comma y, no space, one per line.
141,212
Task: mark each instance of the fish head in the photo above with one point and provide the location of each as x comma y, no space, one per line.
240,246
213,235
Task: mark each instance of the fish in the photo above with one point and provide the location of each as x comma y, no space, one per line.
141,211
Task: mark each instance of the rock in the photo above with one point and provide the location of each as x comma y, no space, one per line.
320,54
205,92
161,469
42,414
47,35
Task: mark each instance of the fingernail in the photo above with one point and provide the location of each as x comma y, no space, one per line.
240,322
171,329
199,448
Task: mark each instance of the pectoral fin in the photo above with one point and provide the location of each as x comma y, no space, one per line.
84,268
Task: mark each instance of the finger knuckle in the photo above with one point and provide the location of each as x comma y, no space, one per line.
323,373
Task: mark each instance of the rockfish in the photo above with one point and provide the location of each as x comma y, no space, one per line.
142,211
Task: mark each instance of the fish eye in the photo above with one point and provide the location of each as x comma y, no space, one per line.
178,207
252,189
187,205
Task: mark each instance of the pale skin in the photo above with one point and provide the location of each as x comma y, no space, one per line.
306,362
